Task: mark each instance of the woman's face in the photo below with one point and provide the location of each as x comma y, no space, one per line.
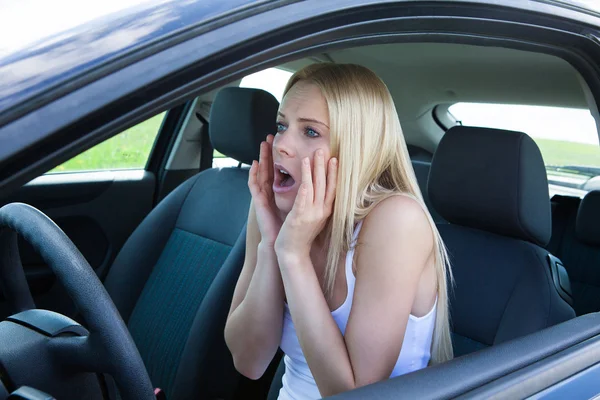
302,129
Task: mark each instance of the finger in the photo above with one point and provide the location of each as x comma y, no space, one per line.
263,165
253,177
307,179
319,178
301,199
270,159
331,183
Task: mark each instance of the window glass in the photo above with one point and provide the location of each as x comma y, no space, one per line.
129,149
567,138
273,80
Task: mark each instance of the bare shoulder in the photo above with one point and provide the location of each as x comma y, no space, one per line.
399,217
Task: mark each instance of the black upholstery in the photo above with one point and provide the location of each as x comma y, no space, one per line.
492,180
173,280
206,365
588,219
491,186
503,289
421,169
575,243
237,132
564,212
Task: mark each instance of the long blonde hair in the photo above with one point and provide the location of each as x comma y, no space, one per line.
374,164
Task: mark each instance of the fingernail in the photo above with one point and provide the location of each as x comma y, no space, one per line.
334,161
306,161
320,153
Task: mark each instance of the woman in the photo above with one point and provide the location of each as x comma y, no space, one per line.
344,269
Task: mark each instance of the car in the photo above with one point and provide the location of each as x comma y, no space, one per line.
125,139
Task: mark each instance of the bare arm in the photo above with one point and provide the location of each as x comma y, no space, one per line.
254,325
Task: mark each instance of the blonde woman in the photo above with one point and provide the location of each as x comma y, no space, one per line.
345,269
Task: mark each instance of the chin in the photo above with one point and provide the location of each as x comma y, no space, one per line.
284,202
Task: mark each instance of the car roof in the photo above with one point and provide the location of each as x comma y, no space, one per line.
30,63
588,6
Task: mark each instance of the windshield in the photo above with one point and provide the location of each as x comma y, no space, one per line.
567,138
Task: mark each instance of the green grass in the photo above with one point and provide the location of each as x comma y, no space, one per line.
128,150
560,153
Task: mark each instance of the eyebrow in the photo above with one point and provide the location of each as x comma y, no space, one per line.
306,120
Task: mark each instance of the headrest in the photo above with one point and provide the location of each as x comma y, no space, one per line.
493,180
240,119
587,226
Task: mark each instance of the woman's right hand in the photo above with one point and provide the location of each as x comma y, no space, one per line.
260,182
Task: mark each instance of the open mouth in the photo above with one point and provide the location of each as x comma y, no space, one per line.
283,181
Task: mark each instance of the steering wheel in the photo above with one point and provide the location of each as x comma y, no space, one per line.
48,351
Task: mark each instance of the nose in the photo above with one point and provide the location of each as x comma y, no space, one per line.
283,144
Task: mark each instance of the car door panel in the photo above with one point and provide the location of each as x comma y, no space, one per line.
583,385
96,210
546,357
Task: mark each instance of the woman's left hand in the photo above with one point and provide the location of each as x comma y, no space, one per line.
312,207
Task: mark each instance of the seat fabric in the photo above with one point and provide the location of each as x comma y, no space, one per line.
421,169
491,186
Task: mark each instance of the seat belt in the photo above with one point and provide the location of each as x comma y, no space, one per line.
206,151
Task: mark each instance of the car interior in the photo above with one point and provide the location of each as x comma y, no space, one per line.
169,246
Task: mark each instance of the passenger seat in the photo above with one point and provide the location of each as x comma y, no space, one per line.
491,186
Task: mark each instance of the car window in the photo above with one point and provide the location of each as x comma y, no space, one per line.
129,149
273,80
567,138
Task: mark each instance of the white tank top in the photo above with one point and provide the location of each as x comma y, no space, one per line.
298,382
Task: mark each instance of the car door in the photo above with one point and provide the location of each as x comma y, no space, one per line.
203,61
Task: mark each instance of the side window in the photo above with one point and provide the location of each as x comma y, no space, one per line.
567,138
129,149
273,80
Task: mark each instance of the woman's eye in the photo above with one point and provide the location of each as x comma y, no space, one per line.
280,127
311,133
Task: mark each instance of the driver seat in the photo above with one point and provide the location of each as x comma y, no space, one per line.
173,279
